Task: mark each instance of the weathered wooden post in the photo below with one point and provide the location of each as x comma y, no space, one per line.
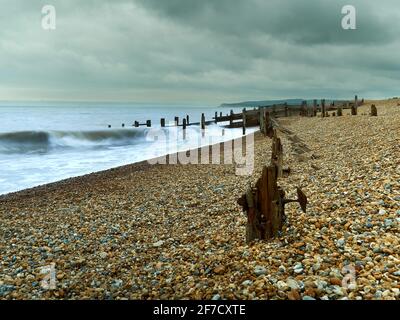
265,206
268,127
148,123
184,128
187,120
203,125
277,154
203,122
244,121
315,108
339,111
323,108
176,121
374,111
216,117
231,118
136,124
162,121
354,108
220,114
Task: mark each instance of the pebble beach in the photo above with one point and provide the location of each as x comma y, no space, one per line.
176,231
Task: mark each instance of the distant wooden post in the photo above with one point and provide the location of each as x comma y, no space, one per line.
187,120
136,124
244,121
286,110
148,123
162,122
315,108
123,125
177,121
184,128
109,126
203,122
374,111
216,117
231,118
339,111
323,108
220,114
355,107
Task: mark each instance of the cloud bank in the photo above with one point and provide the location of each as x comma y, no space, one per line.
208,51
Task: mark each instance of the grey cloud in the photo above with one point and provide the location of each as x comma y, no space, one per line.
210,51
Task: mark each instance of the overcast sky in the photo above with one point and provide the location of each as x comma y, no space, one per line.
203,51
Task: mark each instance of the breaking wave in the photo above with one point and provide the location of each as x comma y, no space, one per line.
42,141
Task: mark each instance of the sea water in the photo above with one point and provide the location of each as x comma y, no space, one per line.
46,142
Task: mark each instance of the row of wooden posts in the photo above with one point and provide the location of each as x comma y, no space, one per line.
251,118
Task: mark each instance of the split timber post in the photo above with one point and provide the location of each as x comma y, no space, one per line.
231,118
244,121
315,108
148,123
162,122
286,110
265,206
176,121
216,116
354,108
136,124
374,111
323,108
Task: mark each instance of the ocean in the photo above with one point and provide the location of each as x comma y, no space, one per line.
42,143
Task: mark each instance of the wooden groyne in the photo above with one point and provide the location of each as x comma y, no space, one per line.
253,117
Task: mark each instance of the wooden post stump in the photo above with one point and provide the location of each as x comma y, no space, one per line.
374,111
244,121
268,127
323,108
203,122
187,120
177,121
339,111
277,154
162,122
136,124
148,123
216,117
231,118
